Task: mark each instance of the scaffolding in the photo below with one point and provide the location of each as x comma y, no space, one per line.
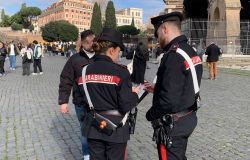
203,32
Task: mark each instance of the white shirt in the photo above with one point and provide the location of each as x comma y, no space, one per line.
12,50
89,54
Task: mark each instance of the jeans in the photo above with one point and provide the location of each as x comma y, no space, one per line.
80,109
12,61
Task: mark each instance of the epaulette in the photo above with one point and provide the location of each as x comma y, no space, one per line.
121,65
174,47
87,63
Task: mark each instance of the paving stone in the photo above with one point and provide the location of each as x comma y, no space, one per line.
44,133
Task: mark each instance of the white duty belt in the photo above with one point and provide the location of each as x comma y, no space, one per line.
91,106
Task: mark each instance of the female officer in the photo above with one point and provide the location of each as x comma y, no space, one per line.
112,95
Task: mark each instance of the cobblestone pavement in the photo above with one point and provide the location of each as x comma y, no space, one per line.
32,127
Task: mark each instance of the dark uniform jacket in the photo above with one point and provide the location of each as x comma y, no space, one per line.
174,90
110,88
69,76
213,53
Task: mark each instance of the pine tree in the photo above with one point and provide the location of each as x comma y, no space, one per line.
110,19
2,14
133,22
96,22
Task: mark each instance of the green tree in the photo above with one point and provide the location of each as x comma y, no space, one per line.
96,22
133,22
128,30
16,18
16,26
27,13
5,21
110,19
60,31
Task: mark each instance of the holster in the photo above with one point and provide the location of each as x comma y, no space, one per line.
132,120
162,130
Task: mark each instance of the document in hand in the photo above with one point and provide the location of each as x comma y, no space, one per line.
142,94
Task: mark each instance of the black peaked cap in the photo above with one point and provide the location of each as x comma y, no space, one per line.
111,35
173,16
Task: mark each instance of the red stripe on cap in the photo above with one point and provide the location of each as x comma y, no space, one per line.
196,60
163,152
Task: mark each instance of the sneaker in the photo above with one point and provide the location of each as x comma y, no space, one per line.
34,74
13,69
41,73
1,75
86,157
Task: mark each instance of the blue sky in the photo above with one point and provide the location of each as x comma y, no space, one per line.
151,7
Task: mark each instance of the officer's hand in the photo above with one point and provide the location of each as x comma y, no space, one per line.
149,87
136,89
64,108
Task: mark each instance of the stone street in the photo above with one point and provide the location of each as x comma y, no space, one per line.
33,128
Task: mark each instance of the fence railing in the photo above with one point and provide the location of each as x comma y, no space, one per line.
203,32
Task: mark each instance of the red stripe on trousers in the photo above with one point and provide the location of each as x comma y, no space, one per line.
163,152
125,153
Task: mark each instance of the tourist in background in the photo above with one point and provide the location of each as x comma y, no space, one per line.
3,53
139,63
37,56
13,51
213,52
26,54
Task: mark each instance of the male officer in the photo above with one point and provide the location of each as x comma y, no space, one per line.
174,101
68,79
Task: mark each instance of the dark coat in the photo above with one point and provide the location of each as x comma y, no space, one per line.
68,78
174,90
3,54
111,91
139,64
213,52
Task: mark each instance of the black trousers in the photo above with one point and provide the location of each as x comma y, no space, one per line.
183,128
26,68
37,63
2,66
101,150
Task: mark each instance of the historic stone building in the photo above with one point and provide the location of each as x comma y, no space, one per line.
174,5
219,20
76,12
125,16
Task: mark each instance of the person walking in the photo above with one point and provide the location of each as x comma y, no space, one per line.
13,51
213,52
71,71
176,92
27,55
3,53
108,87
139,63
37,56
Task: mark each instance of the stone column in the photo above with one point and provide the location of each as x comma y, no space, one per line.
233,25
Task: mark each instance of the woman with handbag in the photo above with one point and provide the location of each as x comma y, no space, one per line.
109,93
26,54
